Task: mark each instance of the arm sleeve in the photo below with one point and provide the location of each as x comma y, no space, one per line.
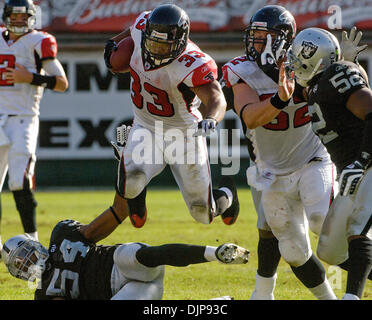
53,68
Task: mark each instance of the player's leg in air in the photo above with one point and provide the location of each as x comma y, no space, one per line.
194,180
137,166
143,265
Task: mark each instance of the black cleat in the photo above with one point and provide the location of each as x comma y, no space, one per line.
138,210
231,214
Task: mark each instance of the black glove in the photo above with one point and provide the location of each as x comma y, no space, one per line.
110,46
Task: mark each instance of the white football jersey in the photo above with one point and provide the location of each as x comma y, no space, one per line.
163,94
286,143
29,50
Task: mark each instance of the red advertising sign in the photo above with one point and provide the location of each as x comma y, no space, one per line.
205,15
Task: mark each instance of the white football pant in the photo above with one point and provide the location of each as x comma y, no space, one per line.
18,157
146,155
348,216
131,280
296,201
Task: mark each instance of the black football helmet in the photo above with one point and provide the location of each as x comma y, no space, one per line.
19,6
165,35
273,19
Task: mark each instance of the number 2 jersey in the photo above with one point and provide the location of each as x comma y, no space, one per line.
29,50
76,268
163,94
340,130
287,143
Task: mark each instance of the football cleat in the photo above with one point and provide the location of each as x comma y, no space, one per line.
231,214
138,210
230,253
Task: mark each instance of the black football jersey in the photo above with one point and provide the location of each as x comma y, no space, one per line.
76,268
339,129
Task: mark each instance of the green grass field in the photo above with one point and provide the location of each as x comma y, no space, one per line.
168,221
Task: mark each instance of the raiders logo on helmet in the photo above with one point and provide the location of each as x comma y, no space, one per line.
308,50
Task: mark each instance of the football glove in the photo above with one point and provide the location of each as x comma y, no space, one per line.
122,134
110,46
349,45
206,127
350,178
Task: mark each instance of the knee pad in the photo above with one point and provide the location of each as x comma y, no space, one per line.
135,182
125,259
201,213
316,220
293,253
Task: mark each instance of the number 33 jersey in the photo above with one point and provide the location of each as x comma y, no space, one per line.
339,129
164,94
76,268
29,50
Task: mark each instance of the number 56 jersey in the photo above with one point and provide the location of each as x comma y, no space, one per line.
29,51
164,94
339,129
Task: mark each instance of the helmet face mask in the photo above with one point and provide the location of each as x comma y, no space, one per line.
165,35
19,16
24,257
272,19
312,52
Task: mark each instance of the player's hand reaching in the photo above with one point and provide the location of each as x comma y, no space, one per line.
349,45
19,74
286,85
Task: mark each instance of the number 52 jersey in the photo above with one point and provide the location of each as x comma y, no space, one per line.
29,50
163,94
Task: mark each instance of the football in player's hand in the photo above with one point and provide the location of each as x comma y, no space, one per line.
120,58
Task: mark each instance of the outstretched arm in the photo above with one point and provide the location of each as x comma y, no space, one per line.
102,226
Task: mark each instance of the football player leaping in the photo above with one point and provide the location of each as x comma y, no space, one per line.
75,267
340,102
291,174
170,77
28,65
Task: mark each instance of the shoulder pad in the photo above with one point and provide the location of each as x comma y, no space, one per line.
340,80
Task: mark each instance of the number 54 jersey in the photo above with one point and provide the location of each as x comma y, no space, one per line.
29,50
76,268
164,94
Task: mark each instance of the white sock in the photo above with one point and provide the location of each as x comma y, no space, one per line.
33,235
210,253
264,288
323,291
350,296
229,195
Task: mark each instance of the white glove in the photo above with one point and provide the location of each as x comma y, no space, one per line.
206,127
349,45
267,56
122,134
350,178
